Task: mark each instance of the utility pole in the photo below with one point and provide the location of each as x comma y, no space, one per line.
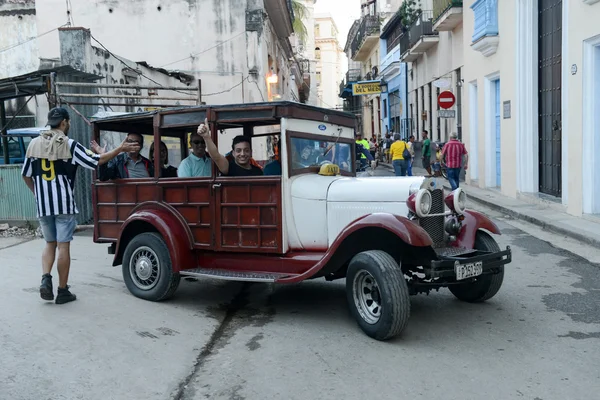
199,92
3,133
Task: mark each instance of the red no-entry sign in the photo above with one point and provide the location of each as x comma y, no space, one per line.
446,99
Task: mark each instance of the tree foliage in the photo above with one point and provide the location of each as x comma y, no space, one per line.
300,13
409,11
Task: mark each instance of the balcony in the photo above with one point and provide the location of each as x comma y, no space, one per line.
390,64
405,54
485,33
447,14
366,38
421,37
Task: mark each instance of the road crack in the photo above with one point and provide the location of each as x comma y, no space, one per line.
219,336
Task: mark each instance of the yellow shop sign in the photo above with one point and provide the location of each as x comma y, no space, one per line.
359,89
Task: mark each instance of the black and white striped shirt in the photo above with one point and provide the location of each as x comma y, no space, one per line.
54,181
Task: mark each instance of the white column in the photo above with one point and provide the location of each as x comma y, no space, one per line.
427,108
565,103
525,109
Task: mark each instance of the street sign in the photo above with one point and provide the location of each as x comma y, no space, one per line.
363,88
442,83
446,99
447,113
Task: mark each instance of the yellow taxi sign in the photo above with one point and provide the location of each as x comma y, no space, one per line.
363,88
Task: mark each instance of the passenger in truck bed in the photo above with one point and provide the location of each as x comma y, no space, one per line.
166,170
125,165
197,163
241,164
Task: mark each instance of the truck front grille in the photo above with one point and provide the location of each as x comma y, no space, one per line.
434,226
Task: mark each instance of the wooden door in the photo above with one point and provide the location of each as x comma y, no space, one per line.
550,80
248,214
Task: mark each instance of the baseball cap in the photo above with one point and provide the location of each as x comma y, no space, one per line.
56,115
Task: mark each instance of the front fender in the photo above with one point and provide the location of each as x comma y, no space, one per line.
406,230
471,224
166,221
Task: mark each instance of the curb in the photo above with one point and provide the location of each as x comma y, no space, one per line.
533,220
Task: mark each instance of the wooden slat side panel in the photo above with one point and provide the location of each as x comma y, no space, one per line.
249,216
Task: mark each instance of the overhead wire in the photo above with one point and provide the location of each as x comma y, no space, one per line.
205,50
30,39
140,73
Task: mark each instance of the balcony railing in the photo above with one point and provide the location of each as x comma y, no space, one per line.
423,26
404,43
369,25
486,19
441,6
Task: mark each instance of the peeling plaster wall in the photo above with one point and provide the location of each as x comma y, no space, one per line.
167,37
17,25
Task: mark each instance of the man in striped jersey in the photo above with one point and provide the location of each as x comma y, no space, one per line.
49,171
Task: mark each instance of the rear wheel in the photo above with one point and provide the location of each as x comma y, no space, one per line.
147,269
486,286
377,294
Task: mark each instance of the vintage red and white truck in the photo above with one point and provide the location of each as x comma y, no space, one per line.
389,237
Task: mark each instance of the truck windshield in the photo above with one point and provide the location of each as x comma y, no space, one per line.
312,152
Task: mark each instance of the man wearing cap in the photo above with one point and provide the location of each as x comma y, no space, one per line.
49,171
452,155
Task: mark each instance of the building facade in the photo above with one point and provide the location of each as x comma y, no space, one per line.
203,39
432,46
328,56
363,48
393,76
532,70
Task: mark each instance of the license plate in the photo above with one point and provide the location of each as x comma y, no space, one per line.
464,271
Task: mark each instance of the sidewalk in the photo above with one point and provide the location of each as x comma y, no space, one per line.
546,216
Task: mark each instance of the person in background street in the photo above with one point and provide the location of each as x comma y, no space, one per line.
372,146
387,145
426,152
49,172
437,165
197,163
397,155
365,144
126,165
411,149
241,164
166,170
452,156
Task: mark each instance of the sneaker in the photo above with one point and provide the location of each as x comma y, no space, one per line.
64,296
46,291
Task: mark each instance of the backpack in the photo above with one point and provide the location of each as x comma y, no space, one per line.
406,153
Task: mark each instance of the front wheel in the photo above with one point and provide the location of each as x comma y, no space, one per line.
147,269
486,286
377,294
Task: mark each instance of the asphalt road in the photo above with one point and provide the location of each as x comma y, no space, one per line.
537,339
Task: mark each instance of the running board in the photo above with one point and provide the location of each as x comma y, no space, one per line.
227,275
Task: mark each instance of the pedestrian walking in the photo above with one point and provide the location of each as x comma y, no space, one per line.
49,171
452,155
399,155
426,152
411,148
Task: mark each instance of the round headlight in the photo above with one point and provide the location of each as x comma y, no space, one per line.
423,203
460,201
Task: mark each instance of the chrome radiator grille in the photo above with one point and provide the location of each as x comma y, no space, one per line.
434,226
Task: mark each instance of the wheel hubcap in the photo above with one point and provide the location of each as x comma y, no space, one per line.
144,268
367,297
